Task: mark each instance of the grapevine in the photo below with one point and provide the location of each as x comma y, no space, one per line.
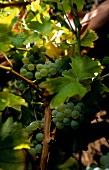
52,89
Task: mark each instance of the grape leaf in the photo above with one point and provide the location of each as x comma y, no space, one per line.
31,38
83,68
11,135
69,85
45,28
79,3
70,162
17,40
11,100
64,87
87,40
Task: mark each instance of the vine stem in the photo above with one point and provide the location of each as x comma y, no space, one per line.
7,59
22,77
45,149
106,75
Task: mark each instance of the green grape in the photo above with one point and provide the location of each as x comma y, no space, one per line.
81,118
58,62
42,54
54,120
31,58
28,129
38,75
25,66
43,72
43,120
43,49
39,136
38,148
51,65
39,67
67,112
23,71
80,104
18,82
49,75
36,61
53,113
48,63
70,105
67,121
104,160
59,125
74,124
97,168
53,71
42,60
78,108
75,114
34,125
32,151
31,67
21,87
61,108
60,116
47,67
57,67
25,60
29,75
34,141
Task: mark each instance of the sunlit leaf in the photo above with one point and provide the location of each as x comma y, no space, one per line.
11,100
52,51
45,28
32,38
83,68
35,5
17,40
87,40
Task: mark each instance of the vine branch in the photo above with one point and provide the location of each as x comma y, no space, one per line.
45,149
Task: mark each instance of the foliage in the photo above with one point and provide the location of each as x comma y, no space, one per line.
50,89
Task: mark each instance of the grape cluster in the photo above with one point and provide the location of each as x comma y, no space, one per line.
68,115
37,139
38,68
48,69
104,161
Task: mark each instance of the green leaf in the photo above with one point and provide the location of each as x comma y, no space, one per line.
64,87
11,100
79,3
31,38
64,5
45,28
11,159
69,163
83,68
69,85
17,40
11,136
87,40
